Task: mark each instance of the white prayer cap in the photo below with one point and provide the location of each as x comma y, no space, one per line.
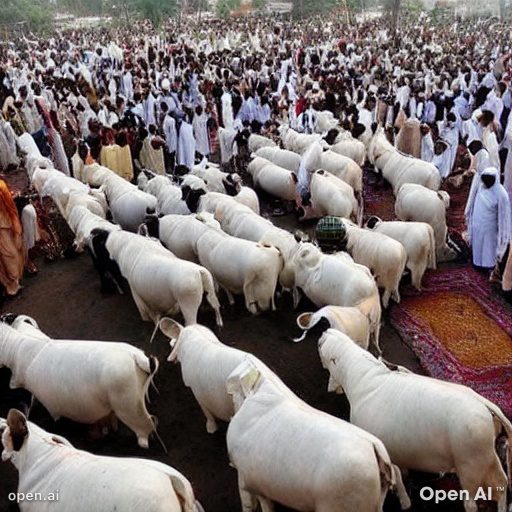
166,84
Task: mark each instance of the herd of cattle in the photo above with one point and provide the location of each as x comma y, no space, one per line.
176,240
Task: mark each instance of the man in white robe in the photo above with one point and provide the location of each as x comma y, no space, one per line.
488,217
186,145
200,126
171,140
427,144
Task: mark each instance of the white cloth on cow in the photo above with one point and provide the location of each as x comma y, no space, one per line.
489,220
186,145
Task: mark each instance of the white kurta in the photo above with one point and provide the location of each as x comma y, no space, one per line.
427,148
201,134
489,221
171,137
186,145
227,110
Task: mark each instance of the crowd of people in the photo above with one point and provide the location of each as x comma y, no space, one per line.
162,100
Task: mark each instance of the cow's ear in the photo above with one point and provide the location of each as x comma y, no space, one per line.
303,320
18,429
170,327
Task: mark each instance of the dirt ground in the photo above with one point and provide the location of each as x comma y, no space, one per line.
66,301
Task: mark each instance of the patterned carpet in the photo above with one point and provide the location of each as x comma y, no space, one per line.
461,331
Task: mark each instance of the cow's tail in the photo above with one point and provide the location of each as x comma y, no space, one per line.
506,426
149,365
387,474
371,308
185,494
211,296
432,258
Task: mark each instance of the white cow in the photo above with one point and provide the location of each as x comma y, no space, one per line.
215,179
343,168
85,381
345,319
418,241
95,174
419,204
206,364
287,244
94,203
82,222
282,157
71,479
235,218
271,178
59,187
298,142
325,121
179,233
288,452
161,284
241,266
350,147
331,196
384,256
437,426
128,204
170,198
256,142
336,280
398,168
248,197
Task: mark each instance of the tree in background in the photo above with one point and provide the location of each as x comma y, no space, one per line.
259,4
156,11
36,14
224,7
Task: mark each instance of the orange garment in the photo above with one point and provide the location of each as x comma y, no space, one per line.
11,242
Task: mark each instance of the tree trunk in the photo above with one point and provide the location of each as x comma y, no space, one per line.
395,13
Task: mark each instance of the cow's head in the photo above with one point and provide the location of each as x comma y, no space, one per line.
152,223
372,222
8,318
193,198
232,184
331,136
308,321
15,432
110,274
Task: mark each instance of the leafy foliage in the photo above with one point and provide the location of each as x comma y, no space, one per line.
303,8
259,4
224,7
156,11
36,14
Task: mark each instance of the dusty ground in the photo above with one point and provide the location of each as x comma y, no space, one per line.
66,301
